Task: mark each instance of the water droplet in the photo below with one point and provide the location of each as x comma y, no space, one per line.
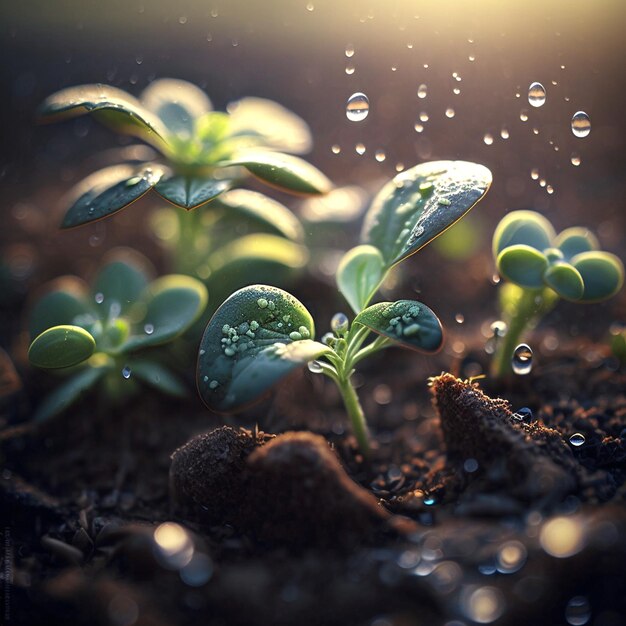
419,128
399,167
349,69
429,500
335,149
422,91
504,133
450,112
542,182
459,318
315,367
534,173
522,361
488,139
357,107
499,328
523,415
550,189
577,611
536,95
359,148
310,7
380,156
126,372
471,58
523,115
535,131
581,124
577,440
349,50
99,298
339,323
483,604
511,557
423,116
148,329
456,76
575,159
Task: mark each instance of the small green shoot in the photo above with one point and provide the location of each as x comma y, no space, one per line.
98,336
541,267
261,333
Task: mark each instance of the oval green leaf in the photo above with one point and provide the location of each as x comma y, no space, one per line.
118,285
258,207
602,273
566,280
420,203
283,171
114,107
61,346
406,322
172,304
522,227
256,337
109,190
523,265
190,192
359,275
576,240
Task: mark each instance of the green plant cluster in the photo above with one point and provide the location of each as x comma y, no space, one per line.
105,335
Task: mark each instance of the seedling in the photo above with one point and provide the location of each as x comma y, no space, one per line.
98,336
205,154
542,267
261,333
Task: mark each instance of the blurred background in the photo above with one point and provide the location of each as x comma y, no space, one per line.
475,59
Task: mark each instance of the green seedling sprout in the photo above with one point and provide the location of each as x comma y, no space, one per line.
105,335
540,267
205,155
261,333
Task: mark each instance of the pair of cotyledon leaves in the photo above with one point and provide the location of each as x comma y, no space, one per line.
123,314
261,333
529,253
205,149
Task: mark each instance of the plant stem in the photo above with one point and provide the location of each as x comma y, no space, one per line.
186,260
355,413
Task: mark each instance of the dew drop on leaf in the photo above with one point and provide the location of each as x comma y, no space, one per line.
315,367
536,95
522,361
357,107
581,124
339,323
148,329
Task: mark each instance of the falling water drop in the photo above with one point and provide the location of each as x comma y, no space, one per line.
423,116
536,95
522,361
450,112
349,50
418,127
349,69
523,115
126,372
335,149
488,139
359,148
357,107
534,173
504,133
315,367
380,156
575,159
581,124
422,91
577,440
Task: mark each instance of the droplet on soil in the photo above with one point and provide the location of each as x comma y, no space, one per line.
522,361
523,415
577,440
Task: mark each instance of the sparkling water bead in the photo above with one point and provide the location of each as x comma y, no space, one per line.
522,361
536,95
581,124
577,440
126,372
357,107
523,415
499,328
339,323
315,367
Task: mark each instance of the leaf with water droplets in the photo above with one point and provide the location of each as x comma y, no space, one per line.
257,207
170,305
522,265
283,171
256,337
270,125
190,192
522,227
406,322
61,346
420,203
158,376
566,280
109,190
359,274
602,274
110,105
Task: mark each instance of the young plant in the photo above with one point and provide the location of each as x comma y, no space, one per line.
261,333
98,335
542,267
205,154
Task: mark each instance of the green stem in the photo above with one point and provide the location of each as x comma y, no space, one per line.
186,260
355,413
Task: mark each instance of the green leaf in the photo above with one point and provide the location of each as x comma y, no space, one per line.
65,395
523,227
602,273
522,265
284,171
109,190
420,203
172,304
61,346
65,302
190,192
359,274
158,376
177,103
120,283
256,337
565,280
275,126
406,322
212,128
114,107
262,209
573,241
